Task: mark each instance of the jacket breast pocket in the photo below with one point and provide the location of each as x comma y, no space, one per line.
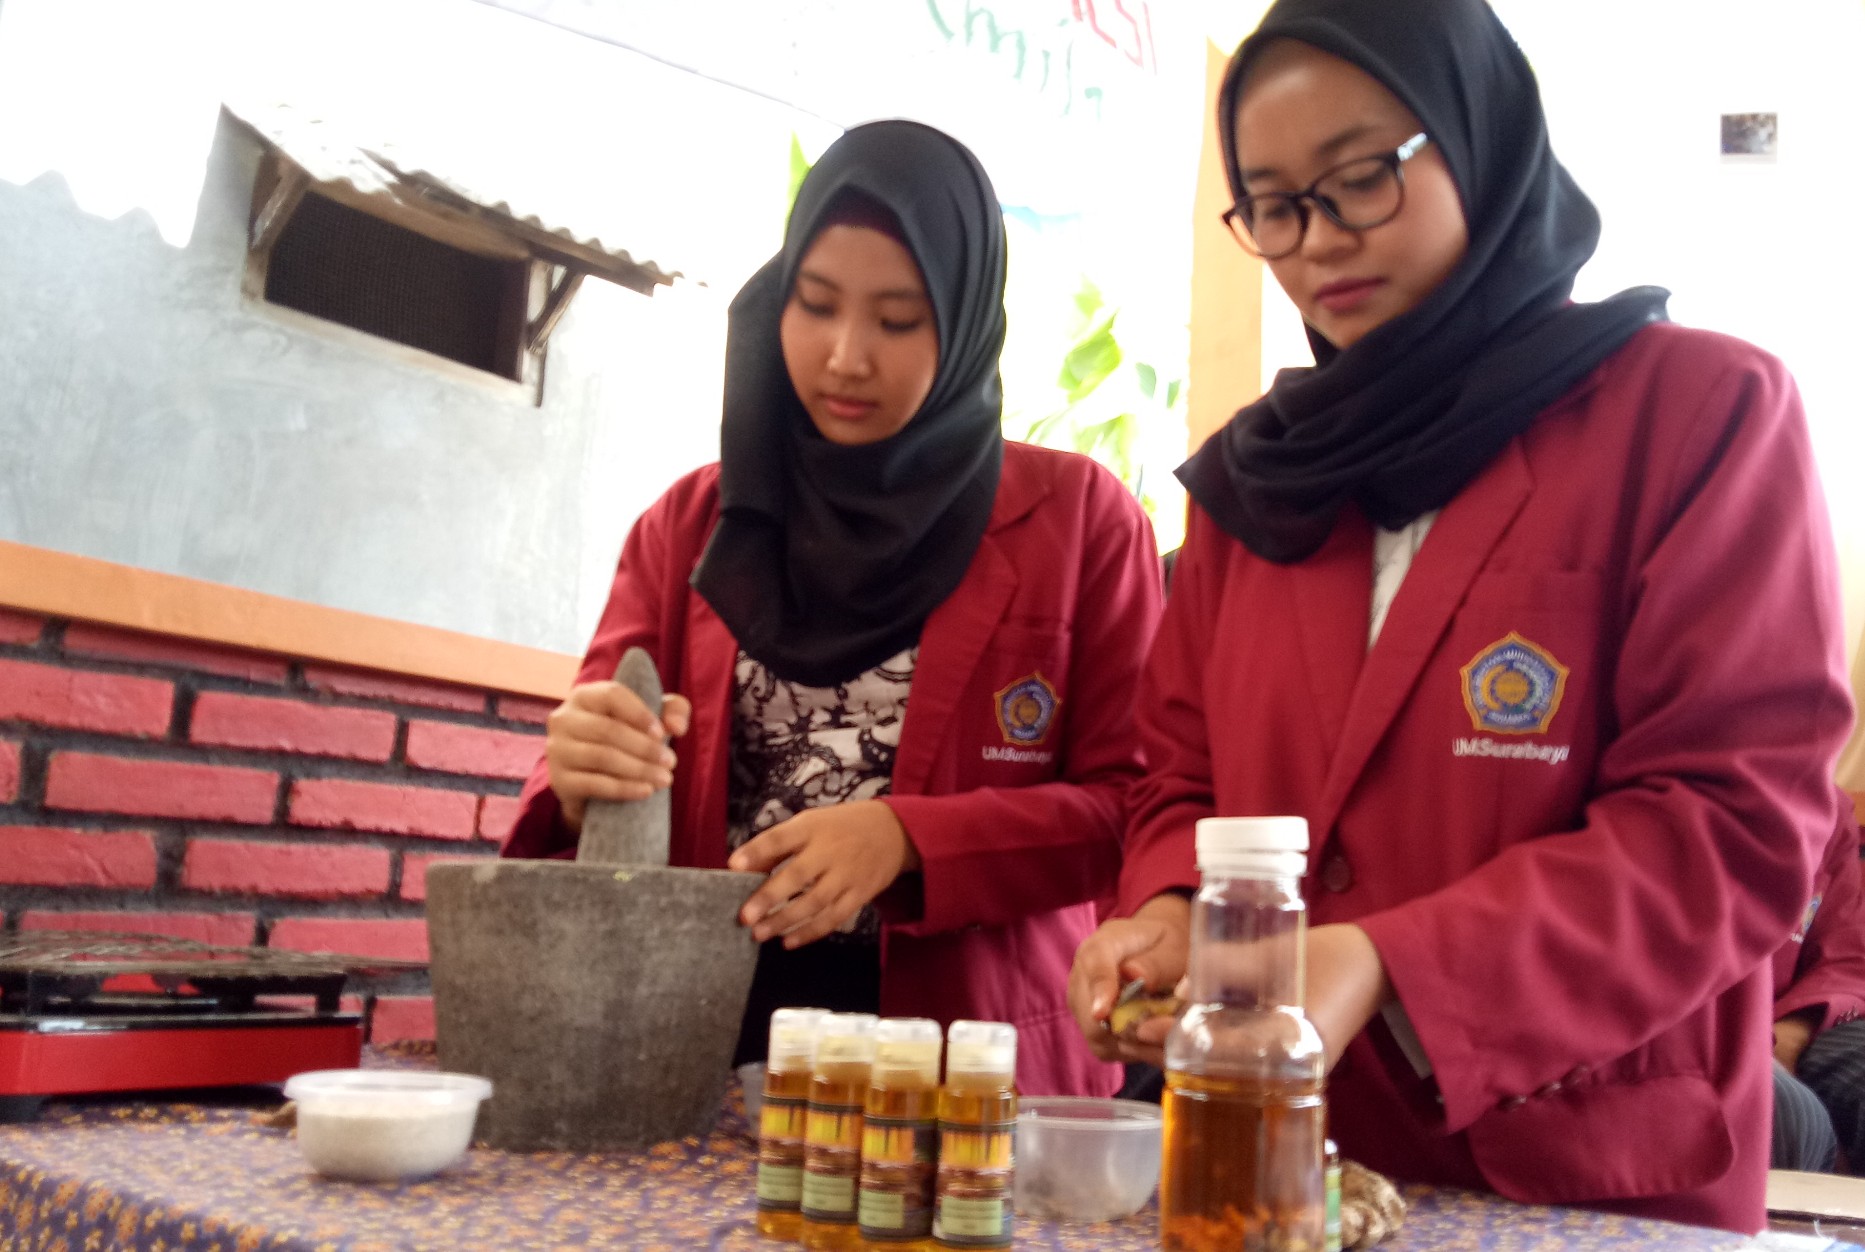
1017,706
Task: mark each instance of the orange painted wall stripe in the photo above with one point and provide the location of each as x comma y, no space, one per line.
59,584
1227,290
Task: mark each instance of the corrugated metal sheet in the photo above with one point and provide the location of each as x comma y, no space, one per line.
333,152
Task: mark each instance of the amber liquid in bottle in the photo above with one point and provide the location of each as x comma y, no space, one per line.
1242,1164
1232,1174
977,1127
838,1093
898,1159
781,1127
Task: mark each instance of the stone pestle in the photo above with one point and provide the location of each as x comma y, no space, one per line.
630,832
602,996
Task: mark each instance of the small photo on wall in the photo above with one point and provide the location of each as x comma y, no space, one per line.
1750,136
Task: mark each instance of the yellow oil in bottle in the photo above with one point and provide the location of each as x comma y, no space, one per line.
977,1137
899,1143
781,1126
838,1094
783,1120
1241,1166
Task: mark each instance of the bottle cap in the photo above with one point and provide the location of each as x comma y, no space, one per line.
1257,847
846,1037
908,1043
793,1037
981,1048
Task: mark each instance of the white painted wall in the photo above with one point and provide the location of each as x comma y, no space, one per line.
499,517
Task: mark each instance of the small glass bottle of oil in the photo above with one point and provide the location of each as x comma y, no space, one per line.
838,1095
782,1120
1244,1117
977,1136
899,1137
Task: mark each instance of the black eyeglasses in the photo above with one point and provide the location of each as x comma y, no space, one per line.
1357,195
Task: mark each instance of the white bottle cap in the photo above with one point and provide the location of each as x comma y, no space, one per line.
908,1043
793,1038
846,1037
1256,847
981,1048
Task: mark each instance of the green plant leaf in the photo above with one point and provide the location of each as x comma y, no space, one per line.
1172,394
1111,441
1043,429
1149,378
799,166
1088,300
1089,363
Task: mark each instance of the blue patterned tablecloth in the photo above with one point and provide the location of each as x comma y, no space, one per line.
186,1176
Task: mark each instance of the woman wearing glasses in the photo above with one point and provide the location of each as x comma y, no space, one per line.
1530,608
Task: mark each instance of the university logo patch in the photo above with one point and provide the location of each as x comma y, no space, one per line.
1806,920
1513,687
1026,709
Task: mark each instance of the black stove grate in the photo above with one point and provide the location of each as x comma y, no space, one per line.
45,971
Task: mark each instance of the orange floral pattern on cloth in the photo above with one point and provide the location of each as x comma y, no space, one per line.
141,1176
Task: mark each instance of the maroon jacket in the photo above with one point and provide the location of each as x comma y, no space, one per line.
1574,793
1018,840
1823,964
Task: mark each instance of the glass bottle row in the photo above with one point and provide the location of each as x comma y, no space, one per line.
861,1146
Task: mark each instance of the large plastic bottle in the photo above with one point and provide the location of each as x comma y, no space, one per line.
1245,1123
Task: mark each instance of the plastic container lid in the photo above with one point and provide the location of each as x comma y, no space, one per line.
1257,847
387,1087
981,1048
908,1043
793,1037
846,1037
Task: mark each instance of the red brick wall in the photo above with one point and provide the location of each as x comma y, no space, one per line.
165,785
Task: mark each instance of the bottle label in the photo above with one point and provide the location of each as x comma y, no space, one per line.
898,1163
972,1222
783,1117
828,1197
780,1187
976,1165
1331,1232
832,1163
883,1216
780,1153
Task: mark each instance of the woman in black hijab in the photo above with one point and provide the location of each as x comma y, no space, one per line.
904,649
1530,609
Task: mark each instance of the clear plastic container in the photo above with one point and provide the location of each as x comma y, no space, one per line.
375,1125
1085,1160
751,1079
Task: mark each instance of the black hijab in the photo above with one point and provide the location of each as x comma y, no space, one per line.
1407,415
827,559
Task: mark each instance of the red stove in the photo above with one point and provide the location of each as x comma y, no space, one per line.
84,1013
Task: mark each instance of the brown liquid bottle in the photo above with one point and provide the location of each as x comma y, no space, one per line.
1245,1123
899,1137
838,1096
977,1136
783,1120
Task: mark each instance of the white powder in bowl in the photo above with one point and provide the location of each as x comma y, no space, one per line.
383,1141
